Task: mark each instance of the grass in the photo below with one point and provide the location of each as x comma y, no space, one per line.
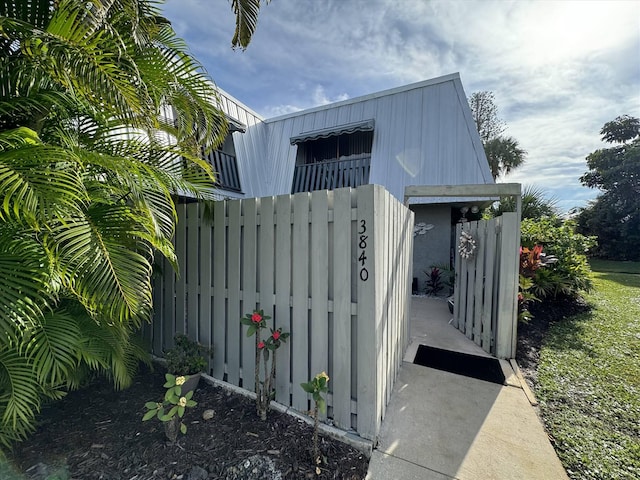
589,379
610,266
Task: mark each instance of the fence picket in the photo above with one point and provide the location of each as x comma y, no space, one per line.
181,252
219,289
249,287
234,341
481,253
206,293
341,307
282,315
319,249
300,301
168,306
487,294
192,274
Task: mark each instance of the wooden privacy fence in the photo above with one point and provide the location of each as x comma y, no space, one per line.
486,287
331,267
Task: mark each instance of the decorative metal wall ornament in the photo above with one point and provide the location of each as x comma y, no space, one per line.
467,245
422,228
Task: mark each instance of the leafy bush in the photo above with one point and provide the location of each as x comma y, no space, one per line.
187,357
570,274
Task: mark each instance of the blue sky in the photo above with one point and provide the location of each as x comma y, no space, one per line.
559,70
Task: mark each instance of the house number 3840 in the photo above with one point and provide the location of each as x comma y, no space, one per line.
362,245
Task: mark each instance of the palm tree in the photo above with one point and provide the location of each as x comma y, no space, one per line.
504,155
90,165
536,204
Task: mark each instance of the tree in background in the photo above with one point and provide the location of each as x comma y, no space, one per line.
535,204
90,166
614,216
503,153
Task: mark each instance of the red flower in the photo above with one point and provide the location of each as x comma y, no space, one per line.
256,317
276,335
261,345
520,297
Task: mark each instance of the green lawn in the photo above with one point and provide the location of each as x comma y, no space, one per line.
589,379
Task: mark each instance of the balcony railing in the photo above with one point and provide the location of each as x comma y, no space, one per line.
331,175
225,167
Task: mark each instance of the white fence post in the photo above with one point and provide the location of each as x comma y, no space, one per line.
368,324
507,315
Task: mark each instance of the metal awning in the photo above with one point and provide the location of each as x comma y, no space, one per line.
366,126
235,125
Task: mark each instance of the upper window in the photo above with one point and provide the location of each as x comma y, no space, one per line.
333,158
224,162
337,147
225,165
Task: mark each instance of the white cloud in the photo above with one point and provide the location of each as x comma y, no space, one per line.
320,96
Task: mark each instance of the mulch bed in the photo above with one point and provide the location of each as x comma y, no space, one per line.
96,433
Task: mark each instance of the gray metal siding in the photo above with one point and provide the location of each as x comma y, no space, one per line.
424,135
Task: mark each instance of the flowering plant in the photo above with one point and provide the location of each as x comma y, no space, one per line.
265,353
531,260
172,408
316,388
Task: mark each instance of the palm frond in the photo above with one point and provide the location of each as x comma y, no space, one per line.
19,397
53,348
246,12
37,181
109,261
27,286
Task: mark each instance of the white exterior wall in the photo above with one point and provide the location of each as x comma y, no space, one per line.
424,135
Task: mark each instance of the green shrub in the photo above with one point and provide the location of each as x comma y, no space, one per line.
570,274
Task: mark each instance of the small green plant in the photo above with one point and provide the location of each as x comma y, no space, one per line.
171,410
265,354
187,357
317,387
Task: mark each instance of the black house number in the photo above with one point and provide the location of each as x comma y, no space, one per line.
362,245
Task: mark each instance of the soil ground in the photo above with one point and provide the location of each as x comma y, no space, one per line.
96,433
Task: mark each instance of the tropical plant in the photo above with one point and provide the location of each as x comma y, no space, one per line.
568,274
172,408
614,216
91,162
535,204
187,357
266,356
317,387
531,287
434,281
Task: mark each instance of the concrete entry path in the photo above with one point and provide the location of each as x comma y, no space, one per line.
440,425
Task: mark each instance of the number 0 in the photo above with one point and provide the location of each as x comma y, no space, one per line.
364,274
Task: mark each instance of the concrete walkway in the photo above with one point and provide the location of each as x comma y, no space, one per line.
440,425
